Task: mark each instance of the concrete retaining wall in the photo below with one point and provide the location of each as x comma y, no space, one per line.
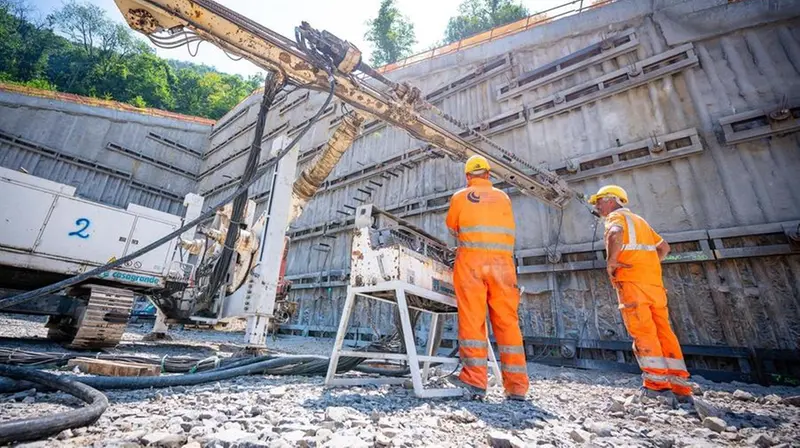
112,156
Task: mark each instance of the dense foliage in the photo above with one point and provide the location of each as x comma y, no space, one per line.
391,34
475,16
77,49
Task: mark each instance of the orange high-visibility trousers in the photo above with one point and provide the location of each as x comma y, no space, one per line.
644,310
484,280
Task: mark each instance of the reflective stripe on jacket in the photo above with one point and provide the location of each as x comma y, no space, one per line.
482,218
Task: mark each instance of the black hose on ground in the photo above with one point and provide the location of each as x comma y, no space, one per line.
43,427
146,382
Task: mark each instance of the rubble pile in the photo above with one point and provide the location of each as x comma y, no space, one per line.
566,407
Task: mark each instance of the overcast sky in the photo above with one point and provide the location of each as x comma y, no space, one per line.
344,18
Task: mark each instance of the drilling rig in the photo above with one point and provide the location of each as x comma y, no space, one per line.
318,61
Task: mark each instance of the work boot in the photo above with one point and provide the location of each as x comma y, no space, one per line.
515,397
473,392
684,399
664,396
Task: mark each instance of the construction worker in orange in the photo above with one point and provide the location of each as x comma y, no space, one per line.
634,255
484,276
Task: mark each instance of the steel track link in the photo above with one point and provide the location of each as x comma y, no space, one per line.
105,318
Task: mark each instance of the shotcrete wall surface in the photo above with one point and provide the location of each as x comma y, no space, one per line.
115,157
648,107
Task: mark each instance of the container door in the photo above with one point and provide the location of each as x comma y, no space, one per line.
87,232
145,232
22,215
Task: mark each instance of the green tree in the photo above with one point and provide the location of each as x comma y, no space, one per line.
475,16
391,35
24,45
93,56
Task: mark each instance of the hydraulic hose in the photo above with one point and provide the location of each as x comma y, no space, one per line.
146,382
49,289
271,87
42,427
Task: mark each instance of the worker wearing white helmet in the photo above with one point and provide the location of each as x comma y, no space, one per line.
634,255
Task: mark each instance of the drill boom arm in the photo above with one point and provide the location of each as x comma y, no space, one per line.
239,35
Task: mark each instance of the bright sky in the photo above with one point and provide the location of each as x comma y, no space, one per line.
346,19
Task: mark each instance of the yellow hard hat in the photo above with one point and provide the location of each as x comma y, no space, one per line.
610,190
476,163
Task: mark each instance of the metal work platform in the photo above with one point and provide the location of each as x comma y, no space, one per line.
405,296
398,263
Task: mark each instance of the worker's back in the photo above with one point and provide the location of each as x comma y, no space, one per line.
639,243
483,218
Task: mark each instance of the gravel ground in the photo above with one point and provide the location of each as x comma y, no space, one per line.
565,407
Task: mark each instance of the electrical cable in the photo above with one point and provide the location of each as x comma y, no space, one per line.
586,321
223,265
7,302
42,427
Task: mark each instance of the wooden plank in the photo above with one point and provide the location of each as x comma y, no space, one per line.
114,368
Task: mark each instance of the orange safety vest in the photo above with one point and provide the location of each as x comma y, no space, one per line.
482,218
638,248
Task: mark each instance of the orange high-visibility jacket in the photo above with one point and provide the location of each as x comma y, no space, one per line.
639,242
481,215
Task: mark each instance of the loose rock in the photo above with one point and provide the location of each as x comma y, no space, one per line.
715,424
580,436
498,439
164,439
601,429
743,396
340,441
761,440
337,414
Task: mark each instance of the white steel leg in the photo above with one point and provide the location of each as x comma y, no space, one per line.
429,347
340,335
408,337
256,332
160,326
493,364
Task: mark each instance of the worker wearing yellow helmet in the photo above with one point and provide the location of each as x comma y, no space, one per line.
633,261
485,278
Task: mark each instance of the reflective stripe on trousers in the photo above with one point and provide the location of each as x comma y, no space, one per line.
473,343
475,362
513,349
652,362
675,364
511,368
